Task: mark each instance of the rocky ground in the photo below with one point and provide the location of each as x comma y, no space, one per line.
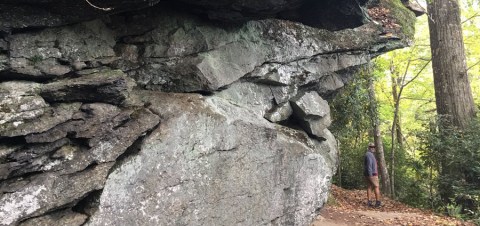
347,207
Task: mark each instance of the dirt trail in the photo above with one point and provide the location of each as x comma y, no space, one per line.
335,217
349,208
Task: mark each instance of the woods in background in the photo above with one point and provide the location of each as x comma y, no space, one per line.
431,136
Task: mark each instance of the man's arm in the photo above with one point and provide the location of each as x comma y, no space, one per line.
370,165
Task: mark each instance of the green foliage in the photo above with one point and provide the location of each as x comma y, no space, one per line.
410,180
350,109
417,100
476,221
471,35
455,155
429,162
35,59
352,166
331,201
454,210
351,126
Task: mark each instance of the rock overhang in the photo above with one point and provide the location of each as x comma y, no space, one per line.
326,14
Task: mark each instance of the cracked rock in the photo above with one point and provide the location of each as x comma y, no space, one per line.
37,122
107,138
48,191
313,113
280,113
62,218
112,87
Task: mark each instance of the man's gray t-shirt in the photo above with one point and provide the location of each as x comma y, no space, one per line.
370,165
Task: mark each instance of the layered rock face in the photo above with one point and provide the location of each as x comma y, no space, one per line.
177,113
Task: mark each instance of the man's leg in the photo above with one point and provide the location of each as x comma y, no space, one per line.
377,193
369,191
376,189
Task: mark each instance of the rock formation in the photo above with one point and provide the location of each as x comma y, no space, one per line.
148,112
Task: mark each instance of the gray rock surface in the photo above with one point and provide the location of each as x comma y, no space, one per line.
53,52
313,113
31,159
255,97
112,87
3,62
273,51
21,14
48,191
19,101
107,139
223,166
280,113
39,120
415,7
329,84
63,218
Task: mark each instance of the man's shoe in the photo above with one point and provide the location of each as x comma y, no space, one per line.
378,204
369,203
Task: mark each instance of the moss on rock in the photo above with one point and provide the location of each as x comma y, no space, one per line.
402,16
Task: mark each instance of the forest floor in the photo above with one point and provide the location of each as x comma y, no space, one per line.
348,207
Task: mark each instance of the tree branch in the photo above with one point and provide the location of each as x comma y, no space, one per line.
418,73
470,18
418,99
100,8
405,74
475,64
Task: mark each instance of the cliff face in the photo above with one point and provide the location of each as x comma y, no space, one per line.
177,113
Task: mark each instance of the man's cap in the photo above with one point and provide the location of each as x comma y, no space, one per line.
371,145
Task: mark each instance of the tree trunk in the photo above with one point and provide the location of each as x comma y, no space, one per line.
453,94
396,104
396,131
339,169
396,99
452,87
385,179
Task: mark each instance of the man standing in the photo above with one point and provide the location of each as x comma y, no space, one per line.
371,175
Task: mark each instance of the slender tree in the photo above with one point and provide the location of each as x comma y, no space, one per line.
396,124
398,85
377,136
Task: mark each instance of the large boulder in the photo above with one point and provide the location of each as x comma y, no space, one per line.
148,112
210,163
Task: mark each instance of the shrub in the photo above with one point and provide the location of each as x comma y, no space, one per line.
455,155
